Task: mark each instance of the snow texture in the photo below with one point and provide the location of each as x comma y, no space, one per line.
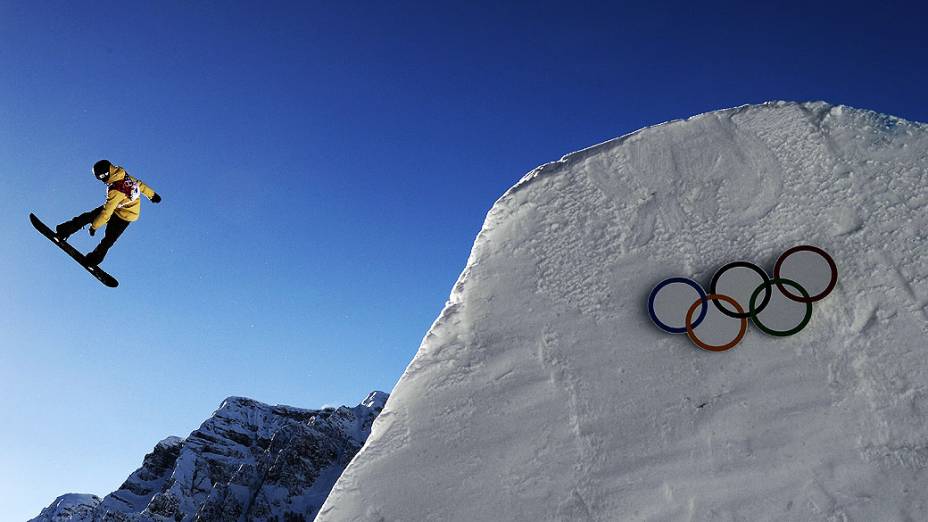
543,392
249,462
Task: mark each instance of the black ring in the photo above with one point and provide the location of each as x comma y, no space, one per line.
740,264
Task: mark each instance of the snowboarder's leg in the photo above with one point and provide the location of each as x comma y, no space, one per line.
69,227
114,229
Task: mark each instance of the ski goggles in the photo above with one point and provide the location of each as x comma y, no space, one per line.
102,176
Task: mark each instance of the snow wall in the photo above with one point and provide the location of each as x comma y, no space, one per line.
543,392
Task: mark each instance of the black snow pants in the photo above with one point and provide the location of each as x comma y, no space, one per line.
114,228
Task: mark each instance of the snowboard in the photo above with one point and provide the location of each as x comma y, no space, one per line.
96,271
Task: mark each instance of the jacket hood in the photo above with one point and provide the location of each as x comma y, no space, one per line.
117,173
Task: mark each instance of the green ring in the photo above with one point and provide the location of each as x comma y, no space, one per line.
754,311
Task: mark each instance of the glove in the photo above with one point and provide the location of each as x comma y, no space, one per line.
92,231
156,198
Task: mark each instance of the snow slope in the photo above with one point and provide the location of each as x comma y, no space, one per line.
543,392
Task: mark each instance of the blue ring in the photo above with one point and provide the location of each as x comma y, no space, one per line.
662,284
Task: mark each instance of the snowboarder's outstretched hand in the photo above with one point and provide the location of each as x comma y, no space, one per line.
92,231
156,198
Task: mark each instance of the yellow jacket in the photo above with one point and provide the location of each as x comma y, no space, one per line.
122,197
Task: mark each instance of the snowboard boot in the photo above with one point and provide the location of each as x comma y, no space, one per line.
63,231
93,258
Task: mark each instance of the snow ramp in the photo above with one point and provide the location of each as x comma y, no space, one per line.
543,391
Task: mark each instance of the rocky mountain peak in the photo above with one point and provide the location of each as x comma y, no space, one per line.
249,461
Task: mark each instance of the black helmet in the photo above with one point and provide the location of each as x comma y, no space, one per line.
101,169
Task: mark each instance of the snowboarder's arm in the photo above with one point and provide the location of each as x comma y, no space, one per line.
145,189
113,198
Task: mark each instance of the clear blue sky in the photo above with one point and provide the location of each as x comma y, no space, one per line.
325,168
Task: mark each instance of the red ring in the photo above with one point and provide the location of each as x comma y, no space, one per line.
821,295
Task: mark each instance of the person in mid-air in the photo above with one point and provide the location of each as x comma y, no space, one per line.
122,207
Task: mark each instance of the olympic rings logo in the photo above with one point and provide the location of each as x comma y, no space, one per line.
742,290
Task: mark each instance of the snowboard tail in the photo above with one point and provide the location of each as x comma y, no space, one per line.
95,271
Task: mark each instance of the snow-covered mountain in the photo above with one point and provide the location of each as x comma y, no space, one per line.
248,462
73,507
543,391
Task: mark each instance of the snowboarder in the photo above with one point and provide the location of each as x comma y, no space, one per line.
122,207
